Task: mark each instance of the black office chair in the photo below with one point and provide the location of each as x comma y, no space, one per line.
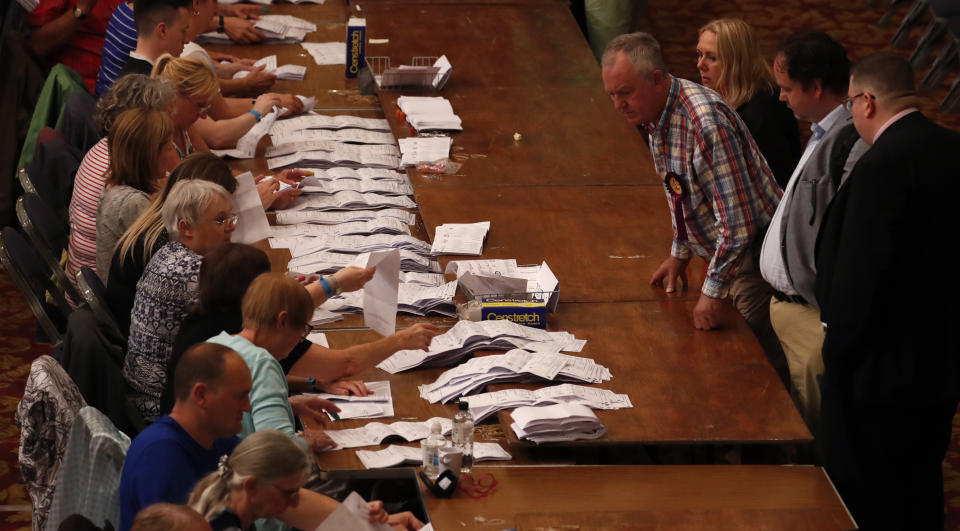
95,294
49,236
32,278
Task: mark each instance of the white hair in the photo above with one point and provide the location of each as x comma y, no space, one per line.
187,200
642,49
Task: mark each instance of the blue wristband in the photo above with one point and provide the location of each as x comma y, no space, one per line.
327,288
256,114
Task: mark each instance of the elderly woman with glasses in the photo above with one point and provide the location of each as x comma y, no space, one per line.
263,478
198,217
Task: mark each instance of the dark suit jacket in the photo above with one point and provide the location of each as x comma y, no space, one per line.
775,131
884,286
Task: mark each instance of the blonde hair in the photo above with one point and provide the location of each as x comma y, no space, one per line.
204,166
192,77
272,293
136,138
268,455
743,70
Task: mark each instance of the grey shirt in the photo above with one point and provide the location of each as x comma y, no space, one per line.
119,207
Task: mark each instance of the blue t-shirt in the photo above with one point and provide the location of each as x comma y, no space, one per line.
121,39
162,465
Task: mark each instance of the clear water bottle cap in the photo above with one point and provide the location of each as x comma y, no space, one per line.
464,406
435,427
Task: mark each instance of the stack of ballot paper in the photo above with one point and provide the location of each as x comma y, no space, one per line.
321,317
395,455
467,337
460,238
319,139
360,174
321,121
279,29
429,113
560,422
415,299
376,433
350,200
312,185
479,278
327,53
343,155
269,64
364,228
378,404
485,404
292,217
515,366
330,262
303,246
417,149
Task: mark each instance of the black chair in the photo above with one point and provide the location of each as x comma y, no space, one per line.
49,236
95,294
888,14
32,278
52,170
942,12
913,16
947,60
76,121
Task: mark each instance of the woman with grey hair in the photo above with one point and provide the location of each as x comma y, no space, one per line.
198,216
131,92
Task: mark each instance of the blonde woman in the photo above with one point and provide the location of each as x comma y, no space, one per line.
263,478
197,87
141,156
730,62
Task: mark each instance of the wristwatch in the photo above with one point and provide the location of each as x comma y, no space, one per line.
78,13
312,385
220,27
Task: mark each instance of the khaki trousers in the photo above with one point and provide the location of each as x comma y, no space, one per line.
801,334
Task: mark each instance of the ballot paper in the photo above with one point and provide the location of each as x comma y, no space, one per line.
301,246
443,75
503,277
517,365
322,121
321,317
287,217
330,262
474,286
252,225
269,64
380,293
247,144
465,337
278,29
373,226
354,514
304,139
416,299
376,433
485,404
429,113
378,404
460,238
318,338
358,174
346,155
556,423
416,150
350,200
395,455
327,53
487,268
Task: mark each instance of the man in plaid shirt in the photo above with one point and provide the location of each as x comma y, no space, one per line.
720,190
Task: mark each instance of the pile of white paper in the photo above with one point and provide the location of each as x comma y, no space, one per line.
288,217
505,277
278,29
314,139
429,113
321,121
560,422
269,64
395,455
364,228
350,200
327,53
460,238
413,298
321,317
312,185
466,337
376,433
378,404
515,366
410,264
340,156
485,404
416,149
303,246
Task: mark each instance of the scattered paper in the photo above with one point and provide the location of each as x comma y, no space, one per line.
415,150
460,238
327,53
354,514
252,225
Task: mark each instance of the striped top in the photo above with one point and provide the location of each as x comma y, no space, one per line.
120,41
87,189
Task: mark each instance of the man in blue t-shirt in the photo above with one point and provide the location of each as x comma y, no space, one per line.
211,388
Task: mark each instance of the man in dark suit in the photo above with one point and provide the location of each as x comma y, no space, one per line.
891,370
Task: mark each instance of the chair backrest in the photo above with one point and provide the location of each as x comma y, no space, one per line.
49,236
33,278
89,474
45,415
95,294
77,123
52,170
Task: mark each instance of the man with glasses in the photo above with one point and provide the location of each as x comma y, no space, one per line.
812,71
891,377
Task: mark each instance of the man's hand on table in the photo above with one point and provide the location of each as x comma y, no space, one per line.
670,271
241,30
312,407
706,314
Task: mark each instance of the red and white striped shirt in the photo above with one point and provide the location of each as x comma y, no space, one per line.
87,189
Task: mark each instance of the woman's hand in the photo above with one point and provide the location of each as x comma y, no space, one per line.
265,103
285,198
404,521
241,30
417,337
258,81
312,407
290,102
353,278
267,190
347,387
318,441
244,11
293,176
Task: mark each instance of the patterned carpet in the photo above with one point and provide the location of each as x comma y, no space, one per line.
675,24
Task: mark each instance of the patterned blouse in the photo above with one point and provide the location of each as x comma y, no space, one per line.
165,293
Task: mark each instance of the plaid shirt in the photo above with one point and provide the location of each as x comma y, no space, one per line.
730,193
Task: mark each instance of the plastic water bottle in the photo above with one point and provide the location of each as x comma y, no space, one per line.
463,435
431,451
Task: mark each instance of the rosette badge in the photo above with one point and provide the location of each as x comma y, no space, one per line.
678,192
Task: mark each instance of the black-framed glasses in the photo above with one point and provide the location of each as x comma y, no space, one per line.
848,103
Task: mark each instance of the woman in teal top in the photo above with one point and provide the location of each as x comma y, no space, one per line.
276,312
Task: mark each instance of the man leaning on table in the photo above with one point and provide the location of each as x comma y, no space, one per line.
720,191
812,71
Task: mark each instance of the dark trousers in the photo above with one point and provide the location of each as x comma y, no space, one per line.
886,459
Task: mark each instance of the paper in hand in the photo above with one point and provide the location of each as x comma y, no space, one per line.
380,293
252,225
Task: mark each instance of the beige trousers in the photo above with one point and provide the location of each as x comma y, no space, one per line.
801,334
